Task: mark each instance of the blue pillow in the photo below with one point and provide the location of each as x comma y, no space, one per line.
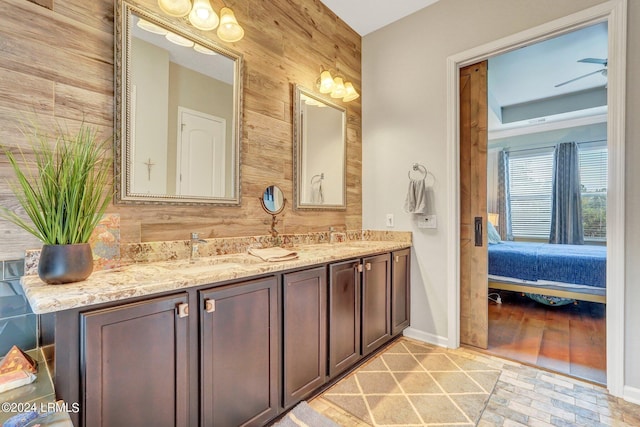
492,233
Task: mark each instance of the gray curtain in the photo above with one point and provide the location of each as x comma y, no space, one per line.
566,199
504,202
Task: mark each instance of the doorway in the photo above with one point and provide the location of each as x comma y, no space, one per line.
615,14
201,154
535,110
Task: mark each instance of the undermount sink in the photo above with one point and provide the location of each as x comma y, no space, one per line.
213,262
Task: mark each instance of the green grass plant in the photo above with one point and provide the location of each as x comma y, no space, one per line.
63,188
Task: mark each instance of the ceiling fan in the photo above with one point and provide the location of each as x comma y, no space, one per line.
602,71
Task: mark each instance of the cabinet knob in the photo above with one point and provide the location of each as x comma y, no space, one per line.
210,305
397,258
183,310
368,266
359,268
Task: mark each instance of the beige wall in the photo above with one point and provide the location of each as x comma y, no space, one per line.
406,122
59,63
196,91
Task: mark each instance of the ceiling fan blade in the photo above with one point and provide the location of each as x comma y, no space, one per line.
594,61
578,78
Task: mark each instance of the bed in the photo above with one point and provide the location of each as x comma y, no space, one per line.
574,272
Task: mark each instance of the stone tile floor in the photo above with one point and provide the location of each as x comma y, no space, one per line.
526,396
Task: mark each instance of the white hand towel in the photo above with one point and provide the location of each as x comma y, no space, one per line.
416,201
273,254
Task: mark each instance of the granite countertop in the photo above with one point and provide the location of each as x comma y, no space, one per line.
137,280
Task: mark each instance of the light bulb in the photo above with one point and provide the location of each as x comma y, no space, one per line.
326,82
202,16
176,8
338,91
350,92
229,29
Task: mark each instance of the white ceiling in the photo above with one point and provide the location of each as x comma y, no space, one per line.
526,75
366,16
525,80
532,72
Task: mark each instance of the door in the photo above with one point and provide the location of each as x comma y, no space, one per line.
239,354
135,364
201,154
305,333
400,290
376,302
473,206
344,316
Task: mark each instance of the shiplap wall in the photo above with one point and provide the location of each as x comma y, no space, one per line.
56,58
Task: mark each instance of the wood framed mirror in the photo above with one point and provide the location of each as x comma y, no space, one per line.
178,112
319,145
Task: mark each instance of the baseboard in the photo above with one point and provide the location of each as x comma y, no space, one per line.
631,394
419,335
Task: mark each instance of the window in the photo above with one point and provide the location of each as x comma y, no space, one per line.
593,179
530,178
530,181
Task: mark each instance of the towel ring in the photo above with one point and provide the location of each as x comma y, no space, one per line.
417,167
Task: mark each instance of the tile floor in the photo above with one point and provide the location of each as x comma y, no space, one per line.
523,396
411,383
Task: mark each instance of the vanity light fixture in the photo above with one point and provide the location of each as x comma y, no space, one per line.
203,50
178,39
202,16
229,29
326,82
151,27
177,8
338,90
351,92
336,86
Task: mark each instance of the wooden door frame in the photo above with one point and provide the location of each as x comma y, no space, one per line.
615,13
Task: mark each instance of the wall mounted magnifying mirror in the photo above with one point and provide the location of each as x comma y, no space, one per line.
273,203
178,103
273,200
319,152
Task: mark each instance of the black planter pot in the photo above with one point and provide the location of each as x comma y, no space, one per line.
65,263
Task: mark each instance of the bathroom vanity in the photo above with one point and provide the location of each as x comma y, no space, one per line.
220,341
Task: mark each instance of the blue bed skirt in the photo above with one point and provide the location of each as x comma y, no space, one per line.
574,264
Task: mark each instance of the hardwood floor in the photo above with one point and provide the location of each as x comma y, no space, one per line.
568,339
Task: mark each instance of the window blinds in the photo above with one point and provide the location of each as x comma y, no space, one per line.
530,181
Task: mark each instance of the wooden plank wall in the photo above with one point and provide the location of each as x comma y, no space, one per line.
56,58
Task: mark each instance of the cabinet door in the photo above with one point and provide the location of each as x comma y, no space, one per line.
400,290
376,302
239,354
134,364
305,333
344,316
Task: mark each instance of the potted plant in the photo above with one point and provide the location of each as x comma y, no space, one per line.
62,187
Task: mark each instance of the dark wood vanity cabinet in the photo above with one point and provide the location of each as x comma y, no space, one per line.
239,342
376,302
344,315
304,307
400,291
134,368
228,354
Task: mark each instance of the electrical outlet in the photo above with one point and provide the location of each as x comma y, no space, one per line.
389,220
427,221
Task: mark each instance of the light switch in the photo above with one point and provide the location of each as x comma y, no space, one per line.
389,220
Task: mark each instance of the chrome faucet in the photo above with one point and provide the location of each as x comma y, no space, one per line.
194,246
332,236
